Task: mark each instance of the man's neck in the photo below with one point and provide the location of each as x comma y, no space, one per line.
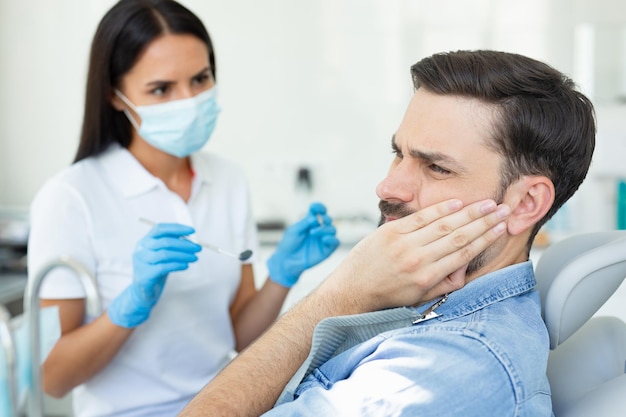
510,252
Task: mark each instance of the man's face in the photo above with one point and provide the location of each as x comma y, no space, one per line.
440,152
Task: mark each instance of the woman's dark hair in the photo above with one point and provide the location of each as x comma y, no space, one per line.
544,126
122,35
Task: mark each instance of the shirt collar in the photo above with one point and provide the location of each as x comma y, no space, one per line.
488,289
132,179
203,170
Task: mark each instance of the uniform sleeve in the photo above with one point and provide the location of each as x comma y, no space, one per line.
59,227
405,377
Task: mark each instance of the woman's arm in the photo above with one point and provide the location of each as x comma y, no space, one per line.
82,351
252,311
303,245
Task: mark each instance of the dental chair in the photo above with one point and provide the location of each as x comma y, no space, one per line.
8,379
587,362
32,309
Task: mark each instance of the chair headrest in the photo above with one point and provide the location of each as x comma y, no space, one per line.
576,276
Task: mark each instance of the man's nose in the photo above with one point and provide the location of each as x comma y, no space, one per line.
399,185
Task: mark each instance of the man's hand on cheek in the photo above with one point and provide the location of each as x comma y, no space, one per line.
418,257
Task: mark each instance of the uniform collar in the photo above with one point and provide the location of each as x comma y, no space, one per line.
132,179
203,170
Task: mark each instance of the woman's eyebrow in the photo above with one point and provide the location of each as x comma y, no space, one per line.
169,82
203,71
159,83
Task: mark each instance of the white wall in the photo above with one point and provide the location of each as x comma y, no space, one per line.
320,83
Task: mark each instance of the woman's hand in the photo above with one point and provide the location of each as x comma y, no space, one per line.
304,245
163,250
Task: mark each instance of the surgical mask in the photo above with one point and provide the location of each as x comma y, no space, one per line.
179,127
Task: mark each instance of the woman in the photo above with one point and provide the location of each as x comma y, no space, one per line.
174,311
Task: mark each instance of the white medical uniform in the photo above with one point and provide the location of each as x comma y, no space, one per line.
90,211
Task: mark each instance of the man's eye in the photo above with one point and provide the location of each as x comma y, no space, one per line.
397,153
438,169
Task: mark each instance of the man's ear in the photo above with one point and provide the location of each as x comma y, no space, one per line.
530,198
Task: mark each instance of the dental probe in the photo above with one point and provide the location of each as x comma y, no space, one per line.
243,256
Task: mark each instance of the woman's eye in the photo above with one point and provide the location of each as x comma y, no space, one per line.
159,91
202,79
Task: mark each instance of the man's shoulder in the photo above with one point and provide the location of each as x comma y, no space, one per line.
447,368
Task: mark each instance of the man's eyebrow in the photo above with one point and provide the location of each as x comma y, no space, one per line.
433,157
394,146
438,158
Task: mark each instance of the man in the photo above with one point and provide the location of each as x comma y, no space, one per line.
482,126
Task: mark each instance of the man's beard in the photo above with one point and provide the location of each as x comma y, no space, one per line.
400,210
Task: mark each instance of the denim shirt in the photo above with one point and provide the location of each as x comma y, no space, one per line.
483,354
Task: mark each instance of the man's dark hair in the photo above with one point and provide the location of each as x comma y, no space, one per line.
544,125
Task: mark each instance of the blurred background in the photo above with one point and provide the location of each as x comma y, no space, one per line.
318,85
311,93
315,87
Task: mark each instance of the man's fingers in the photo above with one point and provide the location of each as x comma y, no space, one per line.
456,231
452,282
476,246
446,258
443,221
425,253
457,278
479,235
425,217
446,225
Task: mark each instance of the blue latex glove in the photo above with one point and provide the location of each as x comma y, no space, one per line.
304,244
163,250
